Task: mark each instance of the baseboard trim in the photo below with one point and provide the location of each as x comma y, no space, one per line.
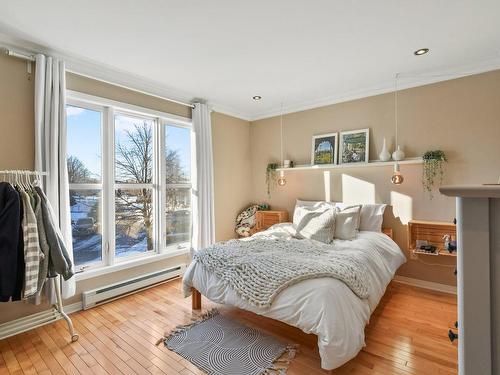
426,284
74,307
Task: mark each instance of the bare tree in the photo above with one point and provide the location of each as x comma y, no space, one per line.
134,164
134,161
77,171
174,172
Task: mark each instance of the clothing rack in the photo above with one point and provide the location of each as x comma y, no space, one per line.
56,312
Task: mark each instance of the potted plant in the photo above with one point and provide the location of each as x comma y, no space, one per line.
271,175
433,169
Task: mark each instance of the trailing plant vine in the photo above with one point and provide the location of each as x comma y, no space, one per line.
433,169
271,176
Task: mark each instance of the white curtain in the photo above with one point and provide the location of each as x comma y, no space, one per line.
50,146
203,180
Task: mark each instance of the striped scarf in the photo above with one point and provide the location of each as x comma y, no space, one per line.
31,248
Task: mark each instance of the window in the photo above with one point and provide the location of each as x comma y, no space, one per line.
178,185
133,185
84,173
124,164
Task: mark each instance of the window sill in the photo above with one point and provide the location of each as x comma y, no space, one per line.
128,264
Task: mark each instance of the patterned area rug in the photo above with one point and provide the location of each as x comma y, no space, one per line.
222,346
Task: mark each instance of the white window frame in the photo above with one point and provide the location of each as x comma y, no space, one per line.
109,108
180,245
94,186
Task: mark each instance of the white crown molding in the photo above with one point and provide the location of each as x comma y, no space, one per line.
11,38
406,81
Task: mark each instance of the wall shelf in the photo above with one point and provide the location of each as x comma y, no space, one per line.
439,252
432,232
374,163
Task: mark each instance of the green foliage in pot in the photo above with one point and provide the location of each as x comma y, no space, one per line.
433,169
271,177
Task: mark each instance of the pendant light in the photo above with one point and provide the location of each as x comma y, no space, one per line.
397,178
281,179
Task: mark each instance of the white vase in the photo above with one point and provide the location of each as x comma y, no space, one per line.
384,154
398,154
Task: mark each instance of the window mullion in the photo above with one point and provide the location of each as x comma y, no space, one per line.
155,197
84,186
162,187
109,178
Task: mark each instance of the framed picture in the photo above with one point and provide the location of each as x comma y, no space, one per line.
354,146
324,148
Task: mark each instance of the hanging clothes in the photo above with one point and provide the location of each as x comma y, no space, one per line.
59,260
31,247
25,219
9,240
31,244
18,290
44,245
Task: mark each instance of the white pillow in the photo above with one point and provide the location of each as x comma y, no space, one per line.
371,217
315,223
310,204
347,222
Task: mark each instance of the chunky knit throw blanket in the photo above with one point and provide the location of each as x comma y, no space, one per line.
260,268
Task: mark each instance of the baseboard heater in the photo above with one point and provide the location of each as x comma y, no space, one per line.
111,292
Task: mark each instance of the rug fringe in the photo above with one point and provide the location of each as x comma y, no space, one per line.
184,327
282,361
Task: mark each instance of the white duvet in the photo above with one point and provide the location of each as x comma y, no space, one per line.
325,306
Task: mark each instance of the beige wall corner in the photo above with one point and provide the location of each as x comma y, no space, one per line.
232,171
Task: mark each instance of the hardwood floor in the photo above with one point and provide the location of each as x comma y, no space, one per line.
406,335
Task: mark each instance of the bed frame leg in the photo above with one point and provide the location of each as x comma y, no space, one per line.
196,299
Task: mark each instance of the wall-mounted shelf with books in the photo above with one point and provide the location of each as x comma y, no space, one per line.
374,163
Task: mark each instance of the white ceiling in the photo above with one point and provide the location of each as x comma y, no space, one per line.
297,52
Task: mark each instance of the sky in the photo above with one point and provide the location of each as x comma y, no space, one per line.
84,137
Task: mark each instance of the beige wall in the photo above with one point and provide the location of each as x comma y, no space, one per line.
17,135
231,151
105,90
232,172
461,117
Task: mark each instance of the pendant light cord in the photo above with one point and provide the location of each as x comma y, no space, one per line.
396,108
281,133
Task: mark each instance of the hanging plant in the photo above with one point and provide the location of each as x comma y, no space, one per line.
433,169
271,175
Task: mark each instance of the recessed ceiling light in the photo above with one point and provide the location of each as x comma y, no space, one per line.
257,97
421,51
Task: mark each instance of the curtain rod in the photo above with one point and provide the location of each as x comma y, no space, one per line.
20,55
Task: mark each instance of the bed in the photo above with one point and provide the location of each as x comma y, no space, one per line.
323,306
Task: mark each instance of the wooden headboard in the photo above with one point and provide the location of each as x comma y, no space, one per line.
388,231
